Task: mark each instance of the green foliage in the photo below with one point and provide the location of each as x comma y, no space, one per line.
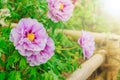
27,8
1,3
2,75
14,75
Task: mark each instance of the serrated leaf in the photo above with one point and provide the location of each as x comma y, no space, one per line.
14,75
9,62
33,73
23,63
18,76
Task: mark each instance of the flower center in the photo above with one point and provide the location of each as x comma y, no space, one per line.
31,36
61,6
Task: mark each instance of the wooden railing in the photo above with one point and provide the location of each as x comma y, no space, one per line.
88,67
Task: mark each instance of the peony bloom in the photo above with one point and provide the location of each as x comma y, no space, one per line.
30,39
74,1
44,55
87,43
60,10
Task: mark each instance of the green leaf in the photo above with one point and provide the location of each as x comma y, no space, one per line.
18,76
2,75
1,51
23,63
55,77
14,75
9,62
33,73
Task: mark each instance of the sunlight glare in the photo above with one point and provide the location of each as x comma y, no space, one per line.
112,7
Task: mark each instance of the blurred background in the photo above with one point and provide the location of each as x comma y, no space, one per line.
96,15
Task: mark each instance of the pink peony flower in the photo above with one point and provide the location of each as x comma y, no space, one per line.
87,43
43,56
60,10
30,39
74,1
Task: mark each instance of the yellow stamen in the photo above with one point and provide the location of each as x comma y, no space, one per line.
31,36
61,6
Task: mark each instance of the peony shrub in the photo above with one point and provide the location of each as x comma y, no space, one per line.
33,49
